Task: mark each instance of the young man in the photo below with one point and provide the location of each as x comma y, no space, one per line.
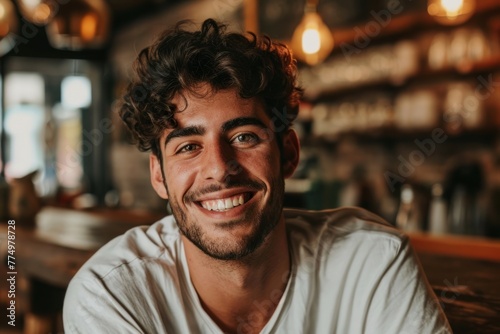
215,108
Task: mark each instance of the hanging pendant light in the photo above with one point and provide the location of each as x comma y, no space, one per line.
8,18
79,24
8,24
39,12
312,40
451,12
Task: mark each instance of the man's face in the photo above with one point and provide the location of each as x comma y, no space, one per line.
223,174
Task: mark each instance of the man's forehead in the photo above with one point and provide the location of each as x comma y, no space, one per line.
206,107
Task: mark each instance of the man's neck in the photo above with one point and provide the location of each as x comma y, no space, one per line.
241,296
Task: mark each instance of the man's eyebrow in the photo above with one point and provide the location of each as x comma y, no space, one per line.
184,132
242,121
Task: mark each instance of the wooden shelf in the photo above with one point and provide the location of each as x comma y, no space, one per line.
461,71
391,134
407,24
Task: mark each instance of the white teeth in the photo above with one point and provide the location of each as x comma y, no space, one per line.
223,204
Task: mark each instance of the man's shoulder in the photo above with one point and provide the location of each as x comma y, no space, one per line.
127,280
345,242
342,225
139,244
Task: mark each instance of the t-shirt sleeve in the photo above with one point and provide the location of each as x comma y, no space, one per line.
90,308
403,301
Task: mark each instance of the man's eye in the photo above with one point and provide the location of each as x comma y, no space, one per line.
246,138
187,148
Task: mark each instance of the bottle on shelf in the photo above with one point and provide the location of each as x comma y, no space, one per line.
408,216
438,211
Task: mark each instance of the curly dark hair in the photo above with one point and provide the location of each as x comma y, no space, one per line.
180,60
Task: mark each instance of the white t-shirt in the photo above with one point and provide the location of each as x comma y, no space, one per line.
351,273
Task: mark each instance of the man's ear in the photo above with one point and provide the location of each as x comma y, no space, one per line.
157,176
291,153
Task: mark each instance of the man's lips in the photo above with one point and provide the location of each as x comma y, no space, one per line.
225,203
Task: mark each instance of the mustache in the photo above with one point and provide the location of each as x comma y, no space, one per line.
191,196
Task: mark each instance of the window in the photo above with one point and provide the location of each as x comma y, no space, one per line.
50,105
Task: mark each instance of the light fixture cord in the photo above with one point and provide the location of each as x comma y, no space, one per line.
311,6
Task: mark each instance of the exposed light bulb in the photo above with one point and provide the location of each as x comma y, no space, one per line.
80,24
452,6
8,18
39,12
312,40
451,11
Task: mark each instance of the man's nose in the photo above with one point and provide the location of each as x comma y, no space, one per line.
219,163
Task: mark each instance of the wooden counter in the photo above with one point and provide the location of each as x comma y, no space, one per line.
465,275
469,247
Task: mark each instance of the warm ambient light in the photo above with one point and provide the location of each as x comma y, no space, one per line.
312,40
89,27
37,11
80,24
451,11
8,18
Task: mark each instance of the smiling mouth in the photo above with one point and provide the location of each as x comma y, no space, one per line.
224,204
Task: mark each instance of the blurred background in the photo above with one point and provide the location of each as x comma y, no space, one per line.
401,113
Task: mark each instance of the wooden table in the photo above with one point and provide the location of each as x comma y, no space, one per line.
464,272
49,254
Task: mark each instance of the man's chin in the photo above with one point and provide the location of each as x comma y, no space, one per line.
233,234
233,244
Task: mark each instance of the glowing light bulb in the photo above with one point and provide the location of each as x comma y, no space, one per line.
312,40
42,13
39,12
8,18
80,24
452,6
451,11
89,27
